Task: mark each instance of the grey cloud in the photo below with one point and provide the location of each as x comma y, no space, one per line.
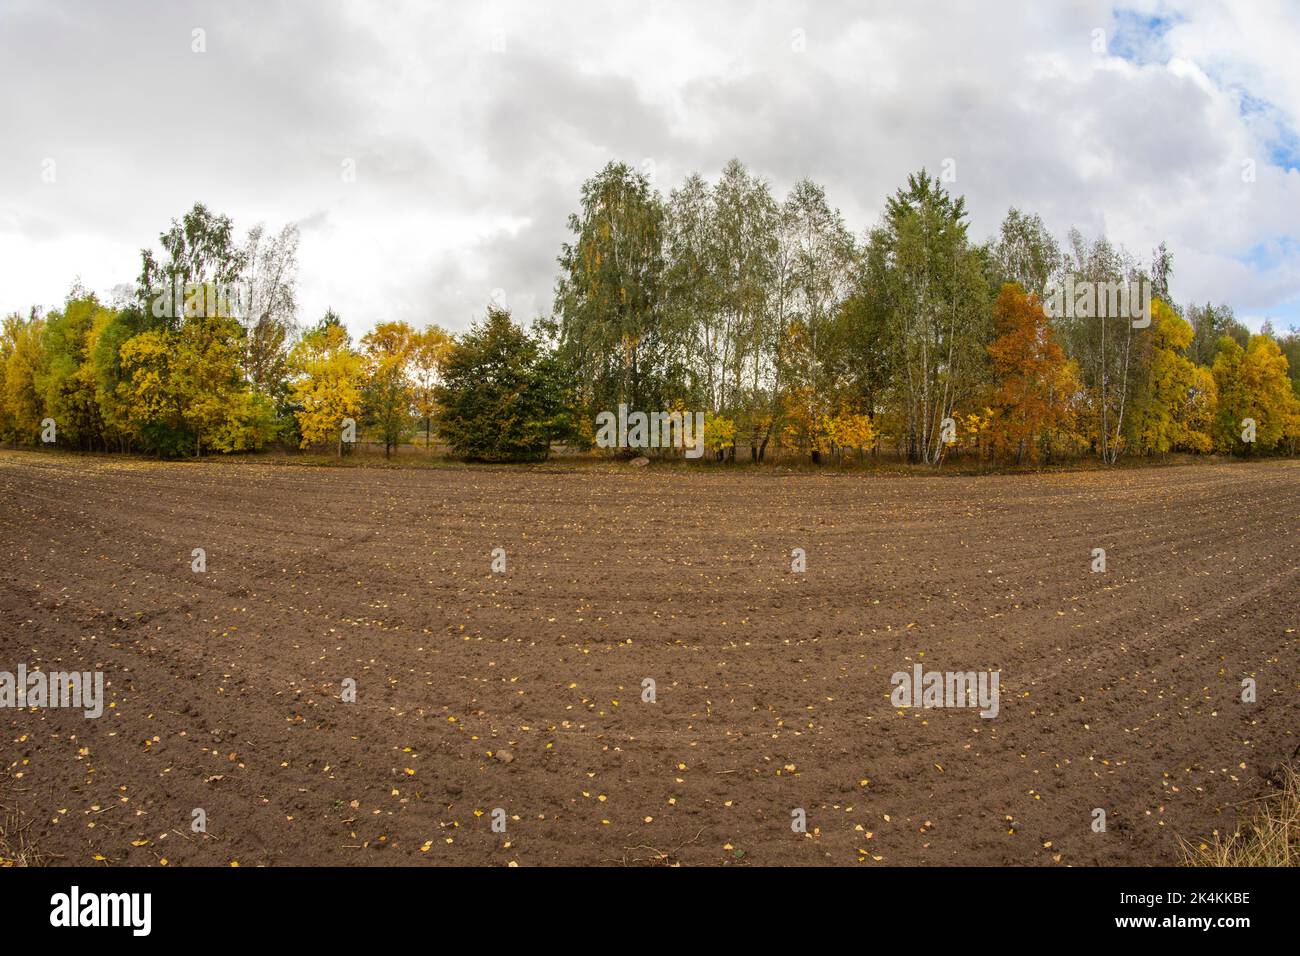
468,161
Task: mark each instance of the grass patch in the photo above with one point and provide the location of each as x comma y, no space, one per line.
1267,835
15,847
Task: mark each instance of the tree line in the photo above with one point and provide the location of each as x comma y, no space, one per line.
792,334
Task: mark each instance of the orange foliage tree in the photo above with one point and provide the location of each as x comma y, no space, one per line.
1031,396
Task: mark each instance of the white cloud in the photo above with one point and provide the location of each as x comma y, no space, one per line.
469,157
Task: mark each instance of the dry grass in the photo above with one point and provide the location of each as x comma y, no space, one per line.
1269,835
15,847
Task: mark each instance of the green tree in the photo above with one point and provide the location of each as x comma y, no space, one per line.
1026,253
822,259
861,351
1210,323
502,396
108,333
267,309
938,303
201,250
613,335
1290,346
1104,346
722,245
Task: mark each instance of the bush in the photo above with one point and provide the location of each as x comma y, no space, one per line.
501,397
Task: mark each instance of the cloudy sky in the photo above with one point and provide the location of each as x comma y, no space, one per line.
471,126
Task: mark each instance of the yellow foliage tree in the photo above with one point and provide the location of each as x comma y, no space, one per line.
1070,433
328,386
20,351
848,431
429,350
388,397
975,433
1169,408
719,433
149,392
1253,387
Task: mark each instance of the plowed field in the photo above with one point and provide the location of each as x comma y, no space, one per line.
522,690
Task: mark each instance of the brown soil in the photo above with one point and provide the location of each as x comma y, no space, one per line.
522,690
